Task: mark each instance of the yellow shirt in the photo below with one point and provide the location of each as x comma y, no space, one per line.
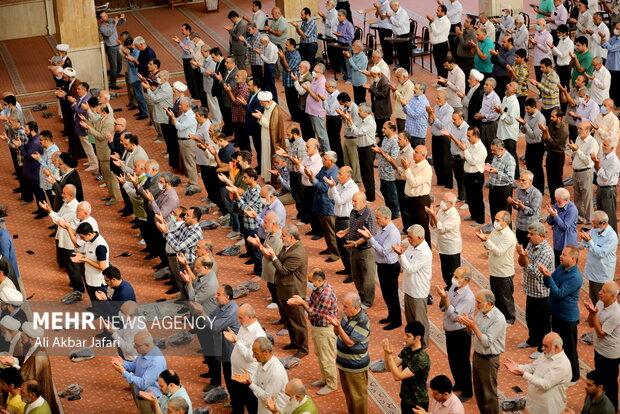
15,404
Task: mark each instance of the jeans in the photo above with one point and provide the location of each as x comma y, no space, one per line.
388,189
269,79
139,95
308,52
320,132
115,60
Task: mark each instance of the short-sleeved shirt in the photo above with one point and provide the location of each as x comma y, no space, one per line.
484,66
413,390
609,317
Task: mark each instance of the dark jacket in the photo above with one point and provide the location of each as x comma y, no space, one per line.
382,104
30,168
475,103
72,177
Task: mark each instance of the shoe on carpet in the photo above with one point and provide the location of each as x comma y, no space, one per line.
524,344
282,332
319,383
535,355
348,280
325,391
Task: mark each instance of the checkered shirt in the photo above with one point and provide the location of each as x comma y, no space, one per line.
533,285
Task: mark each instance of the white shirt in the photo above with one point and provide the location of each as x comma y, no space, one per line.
454,11
385,8
419,177
269,381
439,30
204,157
609,317
365,131
456,83
400,22
383,67
490,29
270,54
508,127
449,231
600,85
330,23
501,246
125,336
581,157
562,51
313,163
610,169
259,19
242,357
608,127
474,156
547,379
595,42
67,212
417,266
342,194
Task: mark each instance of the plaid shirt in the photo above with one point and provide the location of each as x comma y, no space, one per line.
293,58
296,149
254,43
184,239
390,147
532,200
241,90
533,285
417,117
549,91
250,198
505,170
19,134
310,30
359,219
322,303
523,74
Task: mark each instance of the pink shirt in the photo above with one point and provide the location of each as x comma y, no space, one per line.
314,107
451,406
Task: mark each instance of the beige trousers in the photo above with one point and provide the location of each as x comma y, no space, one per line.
90,152
324,340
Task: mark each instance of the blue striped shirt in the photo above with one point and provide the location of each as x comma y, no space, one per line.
356,357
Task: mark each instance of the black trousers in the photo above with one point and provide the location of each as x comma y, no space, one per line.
388,280
609,368
402,203
359,94
614,91
367,159
200,90
297,191
257,72
537,319
503,289
511,147
188,70
568,333
441,160
333,124
73,270
211,183
419,215
305,124
440,51
522,238
292,101
227,117
488,132
449,263
534,162
241,136
342,223
402,52
555,172
606,201
242,398
215,369
457,163
458,347
311,216
308,52
172,144
386,47
473,189
498,196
